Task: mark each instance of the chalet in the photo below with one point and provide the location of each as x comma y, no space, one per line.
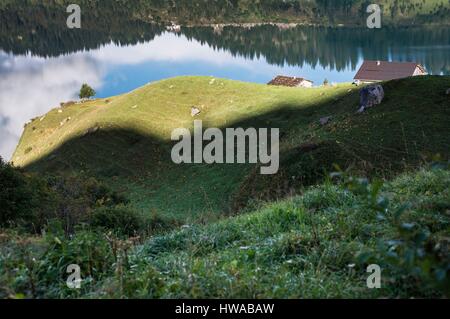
291,82
376,71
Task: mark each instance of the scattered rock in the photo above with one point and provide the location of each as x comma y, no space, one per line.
171,87
370,96
60,111
212,81
42,118
64,121
195,111
134,107
92,130
447,92
325,120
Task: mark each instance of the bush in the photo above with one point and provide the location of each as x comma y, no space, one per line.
30,201
416,256
77,196
25,200
121,220
37,268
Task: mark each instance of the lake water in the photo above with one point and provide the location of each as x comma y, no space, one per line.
38,73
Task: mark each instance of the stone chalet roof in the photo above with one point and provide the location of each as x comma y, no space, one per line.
385,71
287,81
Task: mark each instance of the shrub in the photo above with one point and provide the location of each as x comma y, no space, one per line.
30,201
78,195
37,267
414,257
25,200
121,220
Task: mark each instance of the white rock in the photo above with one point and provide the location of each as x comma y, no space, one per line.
325,120
195,111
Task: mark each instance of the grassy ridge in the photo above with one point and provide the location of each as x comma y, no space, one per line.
125,139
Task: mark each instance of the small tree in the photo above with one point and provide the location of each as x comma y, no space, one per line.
325,82
86,92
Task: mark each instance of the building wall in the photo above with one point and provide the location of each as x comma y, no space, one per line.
306,84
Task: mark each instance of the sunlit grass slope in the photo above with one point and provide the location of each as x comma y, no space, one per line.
126,139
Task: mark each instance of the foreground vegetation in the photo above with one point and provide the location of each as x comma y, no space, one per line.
318,244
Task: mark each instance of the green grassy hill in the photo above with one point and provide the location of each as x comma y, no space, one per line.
125,140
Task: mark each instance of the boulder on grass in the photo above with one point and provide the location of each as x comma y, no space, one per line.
195,111
370,96
325,120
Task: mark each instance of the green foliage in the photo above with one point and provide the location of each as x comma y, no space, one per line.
76,196
118,219
30,201
316,245
416,255
86,92
24,199
35,269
